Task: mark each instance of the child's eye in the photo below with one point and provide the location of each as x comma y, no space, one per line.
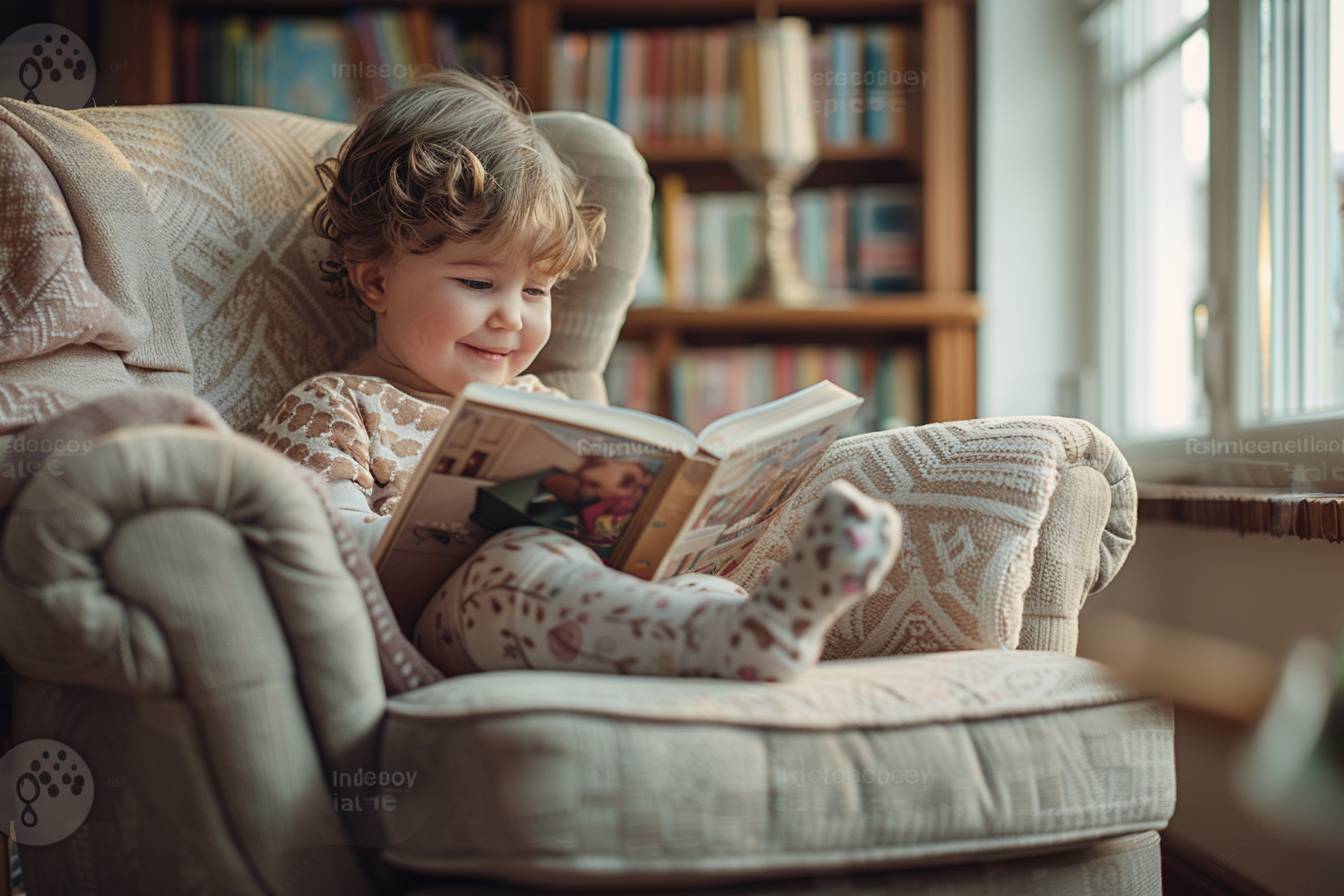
536,291
474,284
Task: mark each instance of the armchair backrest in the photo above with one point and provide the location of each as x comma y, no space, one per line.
217,271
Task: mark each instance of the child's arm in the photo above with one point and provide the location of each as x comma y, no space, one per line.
365,525
320,425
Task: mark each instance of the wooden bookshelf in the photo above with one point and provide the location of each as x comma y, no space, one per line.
669,153
914,312
136,40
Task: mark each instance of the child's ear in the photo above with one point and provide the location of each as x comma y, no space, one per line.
369,279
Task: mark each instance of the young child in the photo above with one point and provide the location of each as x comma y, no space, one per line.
453,220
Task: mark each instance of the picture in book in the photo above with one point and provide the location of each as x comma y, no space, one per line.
509,470
744,494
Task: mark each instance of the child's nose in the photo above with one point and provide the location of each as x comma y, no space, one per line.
508,314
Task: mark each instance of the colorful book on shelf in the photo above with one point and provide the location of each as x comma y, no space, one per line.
715,95
320,65
890,378
657,80
846,63
876,113
648,495
302,58
634,61
884,251
447,51
682,83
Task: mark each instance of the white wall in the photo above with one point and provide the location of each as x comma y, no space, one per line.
1034,205
1257,590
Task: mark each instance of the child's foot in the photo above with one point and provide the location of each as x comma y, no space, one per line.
842,555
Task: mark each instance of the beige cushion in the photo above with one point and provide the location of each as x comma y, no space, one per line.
598,779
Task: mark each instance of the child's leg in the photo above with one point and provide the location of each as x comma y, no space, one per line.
533,598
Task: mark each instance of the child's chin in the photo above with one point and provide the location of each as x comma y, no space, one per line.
491,379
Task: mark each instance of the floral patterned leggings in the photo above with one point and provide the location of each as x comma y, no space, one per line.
534,598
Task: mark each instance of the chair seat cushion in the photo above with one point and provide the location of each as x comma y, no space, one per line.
602,780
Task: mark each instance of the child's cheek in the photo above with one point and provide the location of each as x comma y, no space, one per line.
439,329
538,330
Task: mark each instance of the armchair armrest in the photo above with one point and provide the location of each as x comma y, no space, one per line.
183,588
1009,524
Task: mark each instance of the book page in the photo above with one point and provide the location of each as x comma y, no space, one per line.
638,426
746,493
775,419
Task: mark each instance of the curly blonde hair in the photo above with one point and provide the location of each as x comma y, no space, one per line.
454,156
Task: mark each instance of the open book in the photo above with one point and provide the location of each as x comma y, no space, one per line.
646,494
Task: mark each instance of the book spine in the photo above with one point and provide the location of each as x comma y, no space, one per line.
673,189
614,110
849,76
698,88
560,71
876,115
418,27
189,73
660,84
446,53
836,215
383,24
669,510
732,106
265,56
716,83
631,87
599,61
676,103
897,99
819,54
909,387
651,86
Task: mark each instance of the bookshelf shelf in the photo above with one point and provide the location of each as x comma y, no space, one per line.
934,156
683,9
682,153
885,314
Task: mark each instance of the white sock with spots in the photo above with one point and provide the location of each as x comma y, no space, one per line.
841,556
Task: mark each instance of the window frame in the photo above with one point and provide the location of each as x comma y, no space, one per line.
1230,380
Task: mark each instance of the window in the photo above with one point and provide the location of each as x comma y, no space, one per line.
1299,160
1154,78
1221,250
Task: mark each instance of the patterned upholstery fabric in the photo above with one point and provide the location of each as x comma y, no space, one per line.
233,192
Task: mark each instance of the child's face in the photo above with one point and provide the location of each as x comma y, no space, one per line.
466,312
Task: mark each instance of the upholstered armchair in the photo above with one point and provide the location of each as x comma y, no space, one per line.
175,606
